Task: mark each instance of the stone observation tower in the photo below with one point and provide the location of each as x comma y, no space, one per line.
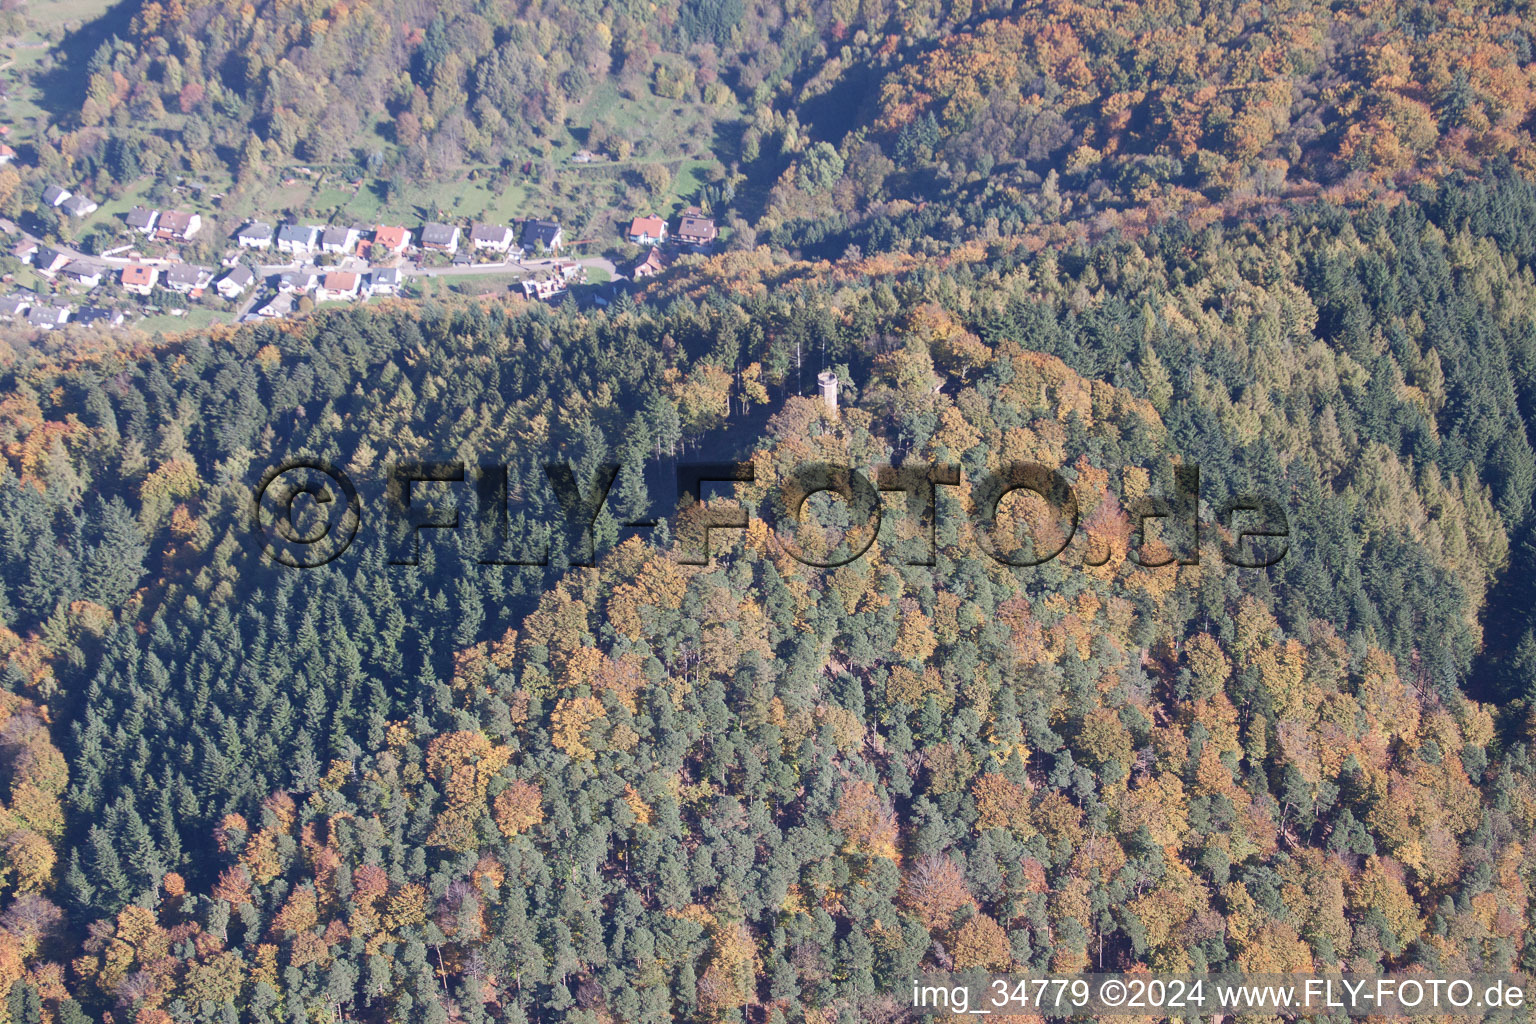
826,380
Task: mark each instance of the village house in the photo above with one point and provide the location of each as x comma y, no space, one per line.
653,264
97,315
48,260
79,206
54,195
384,281
138,279
255,235
46,318
236,283
24,250
339,240
440,238
648,231
178,226
542,234
295,281
696,229
394,239
83,272
187,279
7,154
495,237
298,239
143,220
15,304
338,285
281,305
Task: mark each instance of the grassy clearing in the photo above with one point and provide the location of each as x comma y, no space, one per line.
195,319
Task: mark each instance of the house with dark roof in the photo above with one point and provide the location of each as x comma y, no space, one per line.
339,240
83,272
98,315
299,239
143,220
384,281
295,281
697,230
48,260
54,195
16,303
46,318
542,234
186,278
281,305
495,237
236,283
79,206
440,237
254,235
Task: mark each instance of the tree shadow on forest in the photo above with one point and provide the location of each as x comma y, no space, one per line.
61,90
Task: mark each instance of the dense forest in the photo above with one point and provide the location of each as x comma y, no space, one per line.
756,789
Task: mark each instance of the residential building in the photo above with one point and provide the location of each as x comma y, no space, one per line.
83,272
79,206
440,237
15,304
384,281
338,285
138,279
395,239
143,220
236,283
647,231
98,315
696,229
186,278
48,260
542,234
297,282
24,250
281,305
495,237
653,264
178,226
298,239
7,154
255,235
339,240
54,195
46,318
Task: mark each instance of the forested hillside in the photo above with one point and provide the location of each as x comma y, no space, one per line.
758,790
810,117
